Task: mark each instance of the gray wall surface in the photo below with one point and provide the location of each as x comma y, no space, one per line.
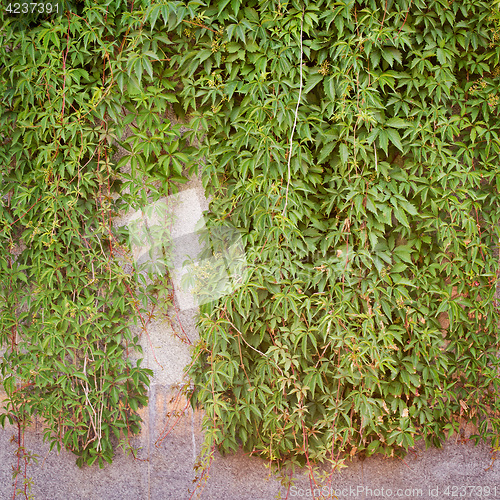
164,468
164,465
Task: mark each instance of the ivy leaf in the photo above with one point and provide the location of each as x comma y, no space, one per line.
441,56
326,150
344,153
312,81
399,267
401,217
372,447
404,253
396,54
408,207
396,123
395,138
388,56
235,4
153,15
383,140
375,56
372,135
147,65
222,5
329,86
138,70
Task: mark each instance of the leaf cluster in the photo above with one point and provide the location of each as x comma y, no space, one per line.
368,320
76,90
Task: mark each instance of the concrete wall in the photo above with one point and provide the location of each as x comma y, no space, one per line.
164,465
165,471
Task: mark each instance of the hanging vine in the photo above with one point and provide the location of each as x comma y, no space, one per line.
353,145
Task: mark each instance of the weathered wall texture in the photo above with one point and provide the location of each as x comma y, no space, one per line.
165,471
164,468
164,465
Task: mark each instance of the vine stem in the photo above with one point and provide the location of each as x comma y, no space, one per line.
199,25
14,494
251,347
65,56
296,114
406,17
165,432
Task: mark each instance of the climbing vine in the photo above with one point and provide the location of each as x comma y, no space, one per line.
74,88
353,146
367,319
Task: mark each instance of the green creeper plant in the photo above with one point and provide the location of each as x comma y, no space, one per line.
72,87
355,147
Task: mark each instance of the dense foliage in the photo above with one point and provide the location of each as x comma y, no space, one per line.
354,146
69,87
367,319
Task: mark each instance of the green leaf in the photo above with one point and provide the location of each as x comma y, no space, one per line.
222,5
395,138
408,207
373,447
22,276
151,54
153,15
399,267
375,58
396,123
326,151
344,153
401,217
329,86
388,55
147,66
404,253
396,54
138,70
311,82
235,5
383,140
